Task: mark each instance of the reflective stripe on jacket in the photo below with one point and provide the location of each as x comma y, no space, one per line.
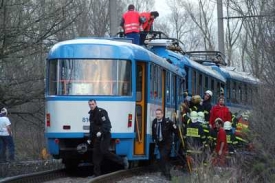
131,22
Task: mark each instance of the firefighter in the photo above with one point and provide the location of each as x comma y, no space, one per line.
196,103
195,137
230,137
206,104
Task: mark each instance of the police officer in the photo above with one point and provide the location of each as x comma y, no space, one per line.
162,132
100,135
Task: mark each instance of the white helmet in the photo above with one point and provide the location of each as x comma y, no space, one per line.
201,118
194,116
227,125
209,92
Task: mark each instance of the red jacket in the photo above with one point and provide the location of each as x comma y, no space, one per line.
219,112
131,22
147,24
221,137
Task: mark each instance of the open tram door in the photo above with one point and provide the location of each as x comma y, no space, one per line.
139,146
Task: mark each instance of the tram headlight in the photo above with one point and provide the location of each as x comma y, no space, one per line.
82,148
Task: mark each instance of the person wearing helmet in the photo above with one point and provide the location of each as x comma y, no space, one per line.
219,111
6,138
206,104
195,104
201,117
195,138
230,137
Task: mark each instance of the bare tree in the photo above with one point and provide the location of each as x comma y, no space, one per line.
202,19
254,25
233,32
141,5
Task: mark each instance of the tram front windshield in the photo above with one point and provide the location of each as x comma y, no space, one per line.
89,77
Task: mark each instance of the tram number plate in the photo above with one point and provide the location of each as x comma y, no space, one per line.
85,127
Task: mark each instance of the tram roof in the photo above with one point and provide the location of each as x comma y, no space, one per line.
204,69
240,76
93,48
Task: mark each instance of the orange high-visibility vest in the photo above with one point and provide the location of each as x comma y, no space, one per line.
148,23
131,22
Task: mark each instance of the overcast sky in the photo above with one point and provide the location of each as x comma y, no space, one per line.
161,7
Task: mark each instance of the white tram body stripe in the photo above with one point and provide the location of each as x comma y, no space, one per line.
75,114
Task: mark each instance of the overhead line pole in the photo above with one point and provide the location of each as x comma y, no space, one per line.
113,17
220,27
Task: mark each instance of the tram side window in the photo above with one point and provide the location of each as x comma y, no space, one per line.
155,81
219,90
240,94
187,79
233,96
52,77
199,92
206,87
173,89
168,85
152,81
181,89
228,91
159,80
194,82
237,93
245,94
212,86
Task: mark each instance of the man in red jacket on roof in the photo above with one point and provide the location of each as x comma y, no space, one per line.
219,111
131,24
147,19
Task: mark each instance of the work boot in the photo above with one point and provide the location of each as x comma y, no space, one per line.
125,162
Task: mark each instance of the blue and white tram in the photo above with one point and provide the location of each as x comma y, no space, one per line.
127,80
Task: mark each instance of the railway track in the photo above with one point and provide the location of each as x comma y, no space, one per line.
122,174
61,174
36,177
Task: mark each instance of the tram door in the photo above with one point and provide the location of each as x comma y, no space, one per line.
139,147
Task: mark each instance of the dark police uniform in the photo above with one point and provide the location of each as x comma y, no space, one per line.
100,122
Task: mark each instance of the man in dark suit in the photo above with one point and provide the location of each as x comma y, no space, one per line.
162,131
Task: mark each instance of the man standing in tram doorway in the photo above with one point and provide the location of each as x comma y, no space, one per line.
162,132
100,135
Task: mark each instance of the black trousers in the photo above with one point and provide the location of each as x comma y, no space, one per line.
164,149
101,150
